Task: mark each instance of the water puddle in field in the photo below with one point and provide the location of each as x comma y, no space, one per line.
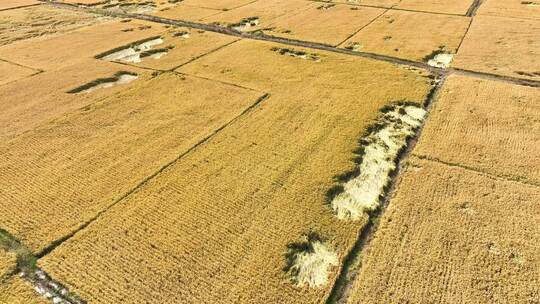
309,261
440,60
296,54
103,83
245,24
136,52
362,188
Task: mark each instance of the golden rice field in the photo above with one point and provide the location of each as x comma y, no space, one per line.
269,151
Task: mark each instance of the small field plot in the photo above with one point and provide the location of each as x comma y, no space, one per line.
381,3
32,101
222,4
488,125
244,218
410,35
258,14
81,163
168,50
323,22
78,46
505,46
15,290
39,21
185,12
451,235
10,72
10,4
456,7
511,8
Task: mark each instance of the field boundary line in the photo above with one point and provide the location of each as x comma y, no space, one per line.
205,54
471,12
294,42
218,81
54,244
362,27
392,8
495,77
501,177
352,264
21,6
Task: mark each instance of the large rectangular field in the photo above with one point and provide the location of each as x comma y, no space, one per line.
487,125
107,149
452,235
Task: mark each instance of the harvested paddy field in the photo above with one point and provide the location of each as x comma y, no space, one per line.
508,8
89,173
456,7
38,21
233,209
503,46
451,235
269,151
486,125
55,92
410,35
323,23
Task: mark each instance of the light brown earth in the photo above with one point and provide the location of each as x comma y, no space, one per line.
503,46
410,35
486,125
228,210
10,72
264,11
38,21
451,235
323,23
24,108
10,4
526,9
456,7
222,4
378,3
185,12
80,45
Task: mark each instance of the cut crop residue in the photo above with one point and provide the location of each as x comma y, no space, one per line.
245,24
379,151
440,60
297,54
103,83
354,46
136,52
309,261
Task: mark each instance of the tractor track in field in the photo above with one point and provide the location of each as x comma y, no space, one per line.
298,43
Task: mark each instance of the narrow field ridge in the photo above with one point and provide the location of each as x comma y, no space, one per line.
351,264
